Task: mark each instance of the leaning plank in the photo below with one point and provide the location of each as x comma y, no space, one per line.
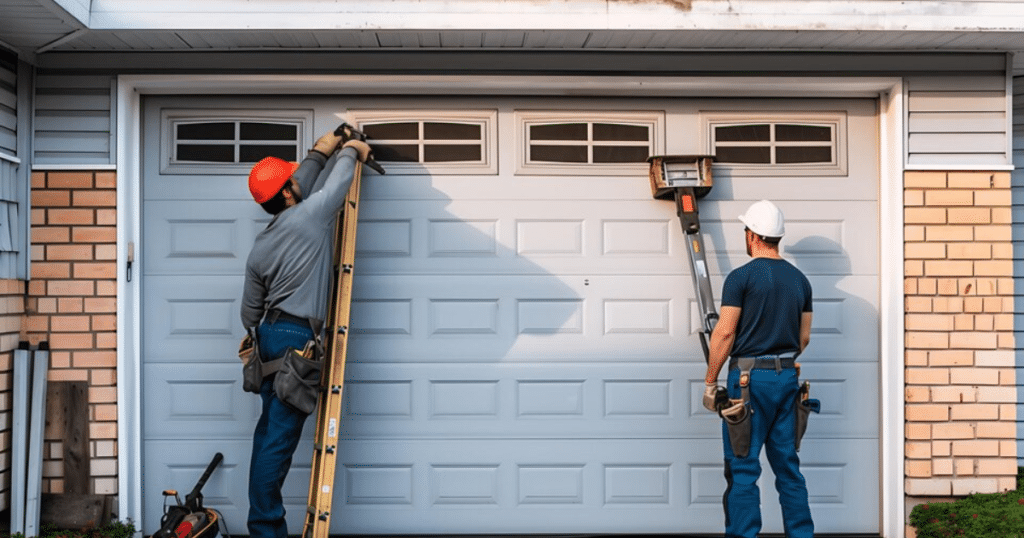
72,511
19,456
34,487
67,418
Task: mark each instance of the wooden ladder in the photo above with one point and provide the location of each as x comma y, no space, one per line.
328,412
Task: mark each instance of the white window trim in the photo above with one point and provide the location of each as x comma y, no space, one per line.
488,119
837,120
654,119
892,115
171,116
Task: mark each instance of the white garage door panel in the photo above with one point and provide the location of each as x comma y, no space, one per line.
593,237
517,318
523,355
574,401
197,400
195,323
211,238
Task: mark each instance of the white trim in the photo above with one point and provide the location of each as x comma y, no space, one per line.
9,158
892,133
964,167
1009,110
129,332
65,167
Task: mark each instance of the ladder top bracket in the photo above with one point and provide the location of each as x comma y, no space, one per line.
671,172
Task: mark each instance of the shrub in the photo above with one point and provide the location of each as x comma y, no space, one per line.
981,515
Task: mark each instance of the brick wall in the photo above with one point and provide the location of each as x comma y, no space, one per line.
72,303
12,302
960,389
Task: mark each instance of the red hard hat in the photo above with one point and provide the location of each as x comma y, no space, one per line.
268,176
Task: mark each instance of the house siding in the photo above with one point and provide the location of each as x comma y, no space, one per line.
957,121
74,120
1017,182
72,303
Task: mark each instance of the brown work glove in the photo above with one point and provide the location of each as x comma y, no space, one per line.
328,143
362,149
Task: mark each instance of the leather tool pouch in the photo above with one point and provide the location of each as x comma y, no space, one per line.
298,381
804,407
252,365
737,422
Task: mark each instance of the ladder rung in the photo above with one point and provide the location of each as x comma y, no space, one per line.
343,329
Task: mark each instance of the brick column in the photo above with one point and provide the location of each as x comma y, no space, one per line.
72,303
960,393
12,301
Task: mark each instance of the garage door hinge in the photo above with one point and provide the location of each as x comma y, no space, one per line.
131,258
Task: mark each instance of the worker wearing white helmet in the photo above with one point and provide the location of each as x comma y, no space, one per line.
765,322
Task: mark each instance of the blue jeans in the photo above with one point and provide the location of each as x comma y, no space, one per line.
773,399
276,436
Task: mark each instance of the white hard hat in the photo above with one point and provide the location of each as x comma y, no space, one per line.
764,219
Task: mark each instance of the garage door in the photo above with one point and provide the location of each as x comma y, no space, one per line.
524,356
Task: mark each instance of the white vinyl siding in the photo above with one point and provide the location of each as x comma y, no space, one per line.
15,102
74,120
959,121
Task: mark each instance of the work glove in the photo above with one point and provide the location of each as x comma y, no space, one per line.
713,395
362,149
328,143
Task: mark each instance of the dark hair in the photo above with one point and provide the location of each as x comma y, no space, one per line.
276,204
770,240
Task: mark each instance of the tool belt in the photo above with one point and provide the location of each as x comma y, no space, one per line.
737,414
298,371
767,362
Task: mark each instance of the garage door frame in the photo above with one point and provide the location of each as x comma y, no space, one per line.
889,91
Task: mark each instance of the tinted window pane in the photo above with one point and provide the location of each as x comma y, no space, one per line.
206,153
620,154
813,154
393,131
451,131
743,133
251,154
558,154
268,131
760,155
400,153
206,131
440,153
803,133
616,132
559,131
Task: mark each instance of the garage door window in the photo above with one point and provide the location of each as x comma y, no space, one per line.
440,142
229,145
779,145
599,143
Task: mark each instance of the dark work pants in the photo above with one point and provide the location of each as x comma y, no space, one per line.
276,436
773,397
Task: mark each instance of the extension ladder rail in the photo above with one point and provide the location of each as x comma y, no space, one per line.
328,412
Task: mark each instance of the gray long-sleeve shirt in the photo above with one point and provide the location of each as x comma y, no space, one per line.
289,266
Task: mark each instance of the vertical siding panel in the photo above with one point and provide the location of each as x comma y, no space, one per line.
8,103
957,121
1017,190
74,120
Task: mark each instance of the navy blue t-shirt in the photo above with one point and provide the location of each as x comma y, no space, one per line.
773,294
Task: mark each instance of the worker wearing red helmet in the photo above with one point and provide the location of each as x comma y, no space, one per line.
285,295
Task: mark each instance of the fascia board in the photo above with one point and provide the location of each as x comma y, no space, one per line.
442,15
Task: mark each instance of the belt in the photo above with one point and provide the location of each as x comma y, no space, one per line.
767,362
275,315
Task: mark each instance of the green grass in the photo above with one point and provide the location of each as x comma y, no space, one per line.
981,515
